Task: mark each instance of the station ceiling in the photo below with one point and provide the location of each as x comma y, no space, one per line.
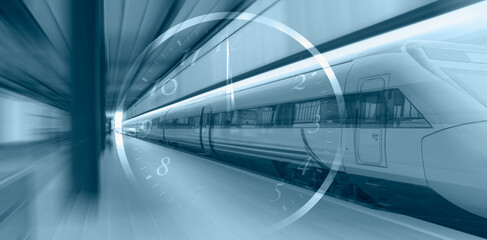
35,42
133,25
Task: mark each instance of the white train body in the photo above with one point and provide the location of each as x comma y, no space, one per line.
414,113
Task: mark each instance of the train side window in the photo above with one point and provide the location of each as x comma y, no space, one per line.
161,124
350,109
221,119
183,122
268,116
401,113
227,119
196,122
329,112
285,115
179,122
236,119
191,121
248,117
169,123
258,120
218,120
155,123
305,112
372,110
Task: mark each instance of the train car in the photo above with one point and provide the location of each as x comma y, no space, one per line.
412,128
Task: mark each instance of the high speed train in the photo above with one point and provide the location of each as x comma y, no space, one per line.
412,133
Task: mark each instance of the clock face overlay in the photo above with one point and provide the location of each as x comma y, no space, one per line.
281,166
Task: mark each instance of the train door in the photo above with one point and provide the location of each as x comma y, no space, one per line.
370,129
205,129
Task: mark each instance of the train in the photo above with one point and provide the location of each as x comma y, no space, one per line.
411,132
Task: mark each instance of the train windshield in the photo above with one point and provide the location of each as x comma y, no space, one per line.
473,81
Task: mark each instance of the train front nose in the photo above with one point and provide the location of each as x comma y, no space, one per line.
455,164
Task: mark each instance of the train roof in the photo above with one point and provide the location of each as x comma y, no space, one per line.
410,46
429,50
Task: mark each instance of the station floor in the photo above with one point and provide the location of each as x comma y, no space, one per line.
188,196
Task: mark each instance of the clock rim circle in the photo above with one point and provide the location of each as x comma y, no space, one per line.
249,17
